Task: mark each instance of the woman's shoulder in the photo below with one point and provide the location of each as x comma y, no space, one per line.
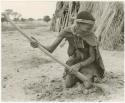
91,39
67,32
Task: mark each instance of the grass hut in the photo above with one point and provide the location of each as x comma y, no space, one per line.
109,25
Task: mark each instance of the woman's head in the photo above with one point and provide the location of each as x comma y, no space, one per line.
84,21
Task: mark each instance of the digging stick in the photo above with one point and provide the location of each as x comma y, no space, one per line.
40,46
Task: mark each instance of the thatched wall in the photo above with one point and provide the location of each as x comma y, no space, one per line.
109,17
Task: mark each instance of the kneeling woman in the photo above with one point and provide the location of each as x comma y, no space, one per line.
84,55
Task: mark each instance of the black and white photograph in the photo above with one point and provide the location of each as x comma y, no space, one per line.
62,51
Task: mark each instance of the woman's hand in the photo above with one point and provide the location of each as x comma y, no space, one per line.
34,44
74,69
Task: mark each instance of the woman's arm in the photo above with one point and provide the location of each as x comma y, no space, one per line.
52,47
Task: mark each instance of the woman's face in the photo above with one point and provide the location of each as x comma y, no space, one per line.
83,26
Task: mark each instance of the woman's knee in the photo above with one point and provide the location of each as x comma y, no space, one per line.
68,85
70,81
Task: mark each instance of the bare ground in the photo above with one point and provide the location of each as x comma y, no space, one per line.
29,75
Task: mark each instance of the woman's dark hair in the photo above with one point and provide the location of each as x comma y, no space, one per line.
85,15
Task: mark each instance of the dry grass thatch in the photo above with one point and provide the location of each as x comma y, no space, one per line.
109,26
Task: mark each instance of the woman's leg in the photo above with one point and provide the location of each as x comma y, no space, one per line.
90,72
70,80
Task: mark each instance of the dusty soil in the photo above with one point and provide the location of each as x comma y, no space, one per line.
29,75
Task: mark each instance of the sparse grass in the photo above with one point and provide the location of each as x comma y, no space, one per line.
24,25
